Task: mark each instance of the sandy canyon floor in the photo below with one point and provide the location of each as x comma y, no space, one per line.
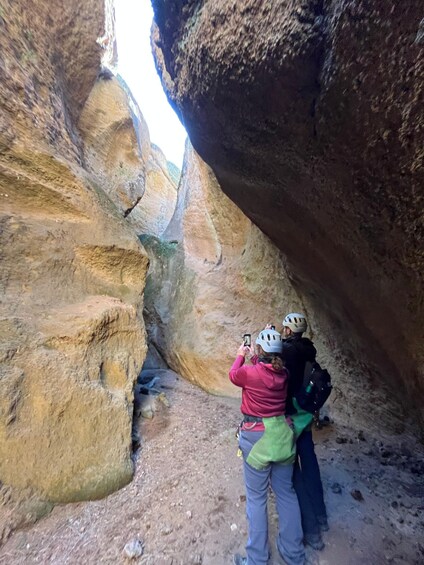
186,504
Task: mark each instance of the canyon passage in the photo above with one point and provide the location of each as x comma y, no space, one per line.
127,284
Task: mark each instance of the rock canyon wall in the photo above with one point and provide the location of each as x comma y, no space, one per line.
122,160
72,269
305,114
310,115
215,276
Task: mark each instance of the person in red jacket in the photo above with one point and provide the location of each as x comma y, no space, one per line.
267,445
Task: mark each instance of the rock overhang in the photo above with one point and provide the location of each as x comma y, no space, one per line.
309,116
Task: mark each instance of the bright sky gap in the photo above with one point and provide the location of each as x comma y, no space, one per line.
137,68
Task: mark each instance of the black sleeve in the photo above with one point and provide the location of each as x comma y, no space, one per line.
289,353
294,366
311,353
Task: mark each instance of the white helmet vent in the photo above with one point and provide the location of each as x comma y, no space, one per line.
270,341
296,322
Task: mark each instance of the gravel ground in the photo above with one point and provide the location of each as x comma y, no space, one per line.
186,504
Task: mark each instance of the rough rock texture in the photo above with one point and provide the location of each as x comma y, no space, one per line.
116,142
310,114
154,211
213,277
47,70
118,152
72,274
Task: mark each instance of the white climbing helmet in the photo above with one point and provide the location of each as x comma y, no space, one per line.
270,341
296,322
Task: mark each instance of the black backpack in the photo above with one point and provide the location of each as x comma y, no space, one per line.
316,388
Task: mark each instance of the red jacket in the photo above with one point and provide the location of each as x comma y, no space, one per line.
264,389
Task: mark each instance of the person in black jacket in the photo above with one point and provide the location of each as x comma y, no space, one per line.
297,351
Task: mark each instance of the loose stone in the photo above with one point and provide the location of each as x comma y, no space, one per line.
133,549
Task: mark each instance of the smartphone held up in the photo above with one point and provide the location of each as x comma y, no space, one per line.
247,340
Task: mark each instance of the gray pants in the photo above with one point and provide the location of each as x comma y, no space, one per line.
289,540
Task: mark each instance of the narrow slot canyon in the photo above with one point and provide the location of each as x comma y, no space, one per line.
127,284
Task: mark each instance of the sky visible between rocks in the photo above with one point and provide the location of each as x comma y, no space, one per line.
136,66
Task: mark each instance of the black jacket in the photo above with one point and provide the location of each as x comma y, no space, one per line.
296,352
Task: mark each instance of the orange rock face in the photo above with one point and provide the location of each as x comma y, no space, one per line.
72,274
155,209
117,151
214,276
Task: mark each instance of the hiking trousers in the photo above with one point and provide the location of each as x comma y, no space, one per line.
308,485
257,482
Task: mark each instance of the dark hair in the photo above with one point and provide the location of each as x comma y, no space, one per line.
276,360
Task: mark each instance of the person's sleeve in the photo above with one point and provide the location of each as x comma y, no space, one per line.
289,352
238,373
312,353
